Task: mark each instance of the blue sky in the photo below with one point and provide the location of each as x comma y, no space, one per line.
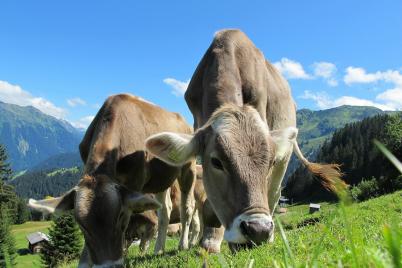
66,57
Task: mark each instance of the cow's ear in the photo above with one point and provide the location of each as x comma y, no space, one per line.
139,203
284,140
57,204
173,148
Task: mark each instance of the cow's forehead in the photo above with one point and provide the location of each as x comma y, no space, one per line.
243,136
231,119
103,193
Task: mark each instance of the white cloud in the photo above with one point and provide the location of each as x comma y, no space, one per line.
179,87
76,101
327,71
291,69
16,95
393,98
332,82
83,122
323,101
359,75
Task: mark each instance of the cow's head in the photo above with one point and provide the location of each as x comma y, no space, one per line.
238,153
102,209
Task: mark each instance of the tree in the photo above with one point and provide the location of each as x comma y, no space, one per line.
5,170
8,198
65,241
7,243
353,148
23,214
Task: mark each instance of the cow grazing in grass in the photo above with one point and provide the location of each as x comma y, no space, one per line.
245,119
117,169
143,226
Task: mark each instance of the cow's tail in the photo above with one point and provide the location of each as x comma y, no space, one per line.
330,174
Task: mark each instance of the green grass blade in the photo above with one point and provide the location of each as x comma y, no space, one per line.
393,240
286,243
389,155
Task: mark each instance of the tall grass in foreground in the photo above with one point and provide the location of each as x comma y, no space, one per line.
355,252
360,255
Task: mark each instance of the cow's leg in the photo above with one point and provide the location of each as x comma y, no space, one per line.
186,183
146,237
274,188
195,228
163,220
144,244
212,238
85,260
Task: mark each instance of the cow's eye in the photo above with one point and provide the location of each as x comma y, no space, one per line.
216,163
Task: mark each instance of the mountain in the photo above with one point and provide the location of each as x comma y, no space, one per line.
31,136
63,160
41,183
352,147
317,126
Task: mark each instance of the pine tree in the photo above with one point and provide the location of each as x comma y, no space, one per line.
5,170
7,243
23,214
65,241
8,198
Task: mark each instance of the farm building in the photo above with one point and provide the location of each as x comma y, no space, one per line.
283,201
314,208
36,241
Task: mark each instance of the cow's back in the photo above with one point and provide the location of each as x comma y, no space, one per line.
234,71
115,142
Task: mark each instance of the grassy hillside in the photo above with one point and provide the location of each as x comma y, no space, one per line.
334,237
317,126
20,232
356,235
53,182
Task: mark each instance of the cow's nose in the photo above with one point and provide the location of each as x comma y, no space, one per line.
257,231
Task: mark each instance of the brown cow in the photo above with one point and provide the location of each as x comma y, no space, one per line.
246,132
143,226
117,164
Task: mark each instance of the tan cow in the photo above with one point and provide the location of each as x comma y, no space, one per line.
116,165
143,226
245,119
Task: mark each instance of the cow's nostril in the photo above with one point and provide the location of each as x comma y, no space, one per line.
256,231
244,228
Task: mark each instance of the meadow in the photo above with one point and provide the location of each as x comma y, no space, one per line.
366,234
24,258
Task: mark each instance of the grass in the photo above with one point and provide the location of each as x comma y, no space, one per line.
366,234
63,170
20,231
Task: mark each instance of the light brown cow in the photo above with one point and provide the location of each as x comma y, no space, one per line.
143,226
246,132
117,164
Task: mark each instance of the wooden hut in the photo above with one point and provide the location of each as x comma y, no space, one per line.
36,241
314,208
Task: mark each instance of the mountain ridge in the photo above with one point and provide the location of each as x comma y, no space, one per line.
30,136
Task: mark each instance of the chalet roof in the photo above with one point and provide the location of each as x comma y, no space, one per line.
37,237
314,205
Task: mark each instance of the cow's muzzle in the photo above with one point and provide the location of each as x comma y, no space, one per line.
257,230
250,229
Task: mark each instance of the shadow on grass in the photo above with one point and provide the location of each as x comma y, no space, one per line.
23,251
309,221
138,259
